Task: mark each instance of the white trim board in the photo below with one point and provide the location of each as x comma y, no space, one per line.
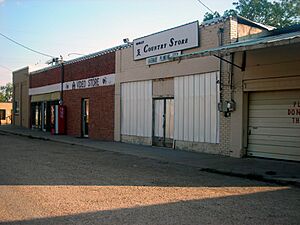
91,82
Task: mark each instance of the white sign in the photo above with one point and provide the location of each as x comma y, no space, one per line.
162,58
90,82
175,39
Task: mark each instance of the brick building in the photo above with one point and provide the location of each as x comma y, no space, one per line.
85,87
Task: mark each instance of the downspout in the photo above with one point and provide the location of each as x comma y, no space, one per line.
62,83
221,43
231,76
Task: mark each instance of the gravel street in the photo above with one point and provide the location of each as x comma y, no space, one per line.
43,182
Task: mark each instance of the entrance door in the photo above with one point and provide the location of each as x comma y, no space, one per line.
85,117
44,116
163,122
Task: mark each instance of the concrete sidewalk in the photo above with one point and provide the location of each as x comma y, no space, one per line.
276,171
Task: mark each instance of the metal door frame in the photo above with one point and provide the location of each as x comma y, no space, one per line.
164,115
83,116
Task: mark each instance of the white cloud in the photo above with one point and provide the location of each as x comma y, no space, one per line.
1,1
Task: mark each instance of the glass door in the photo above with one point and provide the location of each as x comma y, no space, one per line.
163,129
85,117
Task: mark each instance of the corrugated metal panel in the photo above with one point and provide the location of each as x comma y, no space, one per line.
196,114
273,131
158,118
170,118
136,108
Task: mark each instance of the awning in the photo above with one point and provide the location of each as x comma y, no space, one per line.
250,44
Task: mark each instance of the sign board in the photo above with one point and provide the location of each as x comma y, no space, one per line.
175,39
162,58
90,82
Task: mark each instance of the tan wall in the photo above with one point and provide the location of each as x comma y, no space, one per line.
163,88
20,94
275,68
129,70
7,106
246,30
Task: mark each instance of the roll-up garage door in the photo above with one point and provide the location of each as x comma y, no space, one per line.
274,126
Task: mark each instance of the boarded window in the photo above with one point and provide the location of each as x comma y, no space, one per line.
196,114
136,108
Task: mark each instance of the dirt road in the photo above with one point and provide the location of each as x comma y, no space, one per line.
44,182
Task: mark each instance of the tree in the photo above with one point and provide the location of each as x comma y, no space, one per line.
6,93
209,16
279,13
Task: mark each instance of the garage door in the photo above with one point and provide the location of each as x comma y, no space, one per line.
274,126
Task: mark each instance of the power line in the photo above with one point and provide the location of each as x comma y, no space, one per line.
30,49
5,68
205,6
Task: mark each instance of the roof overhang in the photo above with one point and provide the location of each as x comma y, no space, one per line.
251,44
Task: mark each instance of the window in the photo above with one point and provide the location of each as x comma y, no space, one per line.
16,107
2,114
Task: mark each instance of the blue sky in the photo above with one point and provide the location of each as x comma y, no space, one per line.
60,27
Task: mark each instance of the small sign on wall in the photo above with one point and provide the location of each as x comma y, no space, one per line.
175,39
294,112
162,58
90,82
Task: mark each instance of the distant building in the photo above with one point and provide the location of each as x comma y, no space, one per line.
5,113
21,105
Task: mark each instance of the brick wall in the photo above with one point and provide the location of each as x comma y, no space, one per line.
101,124
101,99
97,66
51,76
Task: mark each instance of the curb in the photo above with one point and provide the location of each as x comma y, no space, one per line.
249,176
253,176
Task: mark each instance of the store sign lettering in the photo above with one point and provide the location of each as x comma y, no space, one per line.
178,38
294,111
90,82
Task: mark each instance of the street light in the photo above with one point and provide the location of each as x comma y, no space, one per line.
74,53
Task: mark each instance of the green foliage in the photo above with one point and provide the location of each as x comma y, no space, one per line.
279,13
6,93
209,16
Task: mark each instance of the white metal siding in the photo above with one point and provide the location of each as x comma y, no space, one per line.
170,118
136,108
158,118
196,113
273,131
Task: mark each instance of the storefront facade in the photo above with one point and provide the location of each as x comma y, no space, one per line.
269,118
263,83
82,89
176,103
